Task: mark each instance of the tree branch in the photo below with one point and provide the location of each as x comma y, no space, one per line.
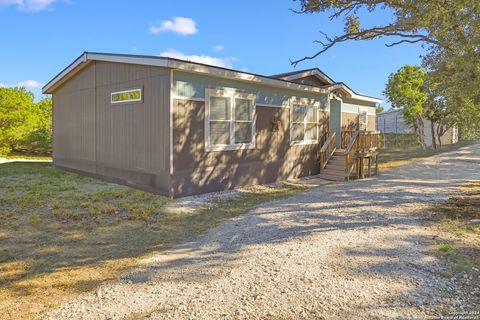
369,34
403,41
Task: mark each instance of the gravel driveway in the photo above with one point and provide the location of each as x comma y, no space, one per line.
350,250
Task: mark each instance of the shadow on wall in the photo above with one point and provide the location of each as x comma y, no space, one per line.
272,159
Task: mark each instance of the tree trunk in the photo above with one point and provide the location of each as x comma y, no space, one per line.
421,132
434,139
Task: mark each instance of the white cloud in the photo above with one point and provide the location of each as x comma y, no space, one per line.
180,25
27,84
28,5
218,47
225,62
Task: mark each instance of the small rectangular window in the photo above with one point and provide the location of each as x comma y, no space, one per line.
133,95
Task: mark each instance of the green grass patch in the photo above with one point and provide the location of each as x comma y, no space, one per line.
62,233
445,248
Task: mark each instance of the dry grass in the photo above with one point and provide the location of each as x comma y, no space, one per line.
29,157
457,213
390,159
460,248
62,234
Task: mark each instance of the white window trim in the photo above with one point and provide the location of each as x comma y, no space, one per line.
304,103
366,119
140,100
231,94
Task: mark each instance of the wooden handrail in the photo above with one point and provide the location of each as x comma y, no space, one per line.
328,141
327,150
351,154
351,143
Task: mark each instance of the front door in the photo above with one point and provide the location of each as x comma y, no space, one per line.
336,119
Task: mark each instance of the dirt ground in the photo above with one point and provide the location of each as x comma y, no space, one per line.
362,250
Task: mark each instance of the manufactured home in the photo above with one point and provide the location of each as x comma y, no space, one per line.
180,128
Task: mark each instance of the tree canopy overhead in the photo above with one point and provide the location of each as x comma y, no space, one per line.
444,24
448,29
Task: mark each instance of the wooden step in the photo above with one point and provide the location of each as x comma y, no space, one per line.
336,161
331,177
335,166
333,170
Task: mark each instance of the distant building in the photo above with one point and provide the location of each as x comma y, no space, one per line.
392,121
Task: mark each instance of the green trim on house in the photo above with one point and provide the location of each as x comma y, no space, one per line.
192,85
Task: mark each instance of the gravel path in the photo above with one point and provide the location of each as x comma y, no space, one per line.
5,160
356,250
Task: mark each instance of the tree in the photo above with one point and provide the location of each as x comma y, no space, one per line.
25,126
450,31
456,80
405,90
442,24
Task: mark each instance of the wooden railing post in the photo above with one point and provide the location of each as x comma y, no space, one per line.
327,150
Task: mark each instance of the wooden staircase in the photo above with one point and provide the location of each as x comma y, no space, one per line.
335,167
358,149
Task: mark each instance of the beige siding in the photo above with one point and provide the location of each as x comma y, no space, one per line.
127,142
350,121
272,159
371,123
74,124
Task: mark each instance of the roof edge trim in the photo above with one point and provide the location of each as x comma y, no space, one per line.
175,64
352,94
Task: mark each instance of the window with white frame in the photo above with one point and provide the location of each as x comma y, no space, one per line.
304,126
229,120
133,95
362,120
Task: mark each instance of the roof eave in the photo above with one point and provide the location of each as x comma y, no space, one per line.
174,64
309,72
352,94
65,72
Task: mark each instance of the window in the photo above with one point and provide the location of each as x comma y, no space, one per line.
229,123
134,95
303,124
362,120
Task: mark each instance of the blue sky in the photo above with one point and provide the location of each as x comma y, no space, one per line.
41,37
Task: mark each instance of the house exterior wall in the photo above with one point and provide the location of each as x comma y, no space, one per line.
197,171
127,142
159,144
190,85
350,112
73,123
